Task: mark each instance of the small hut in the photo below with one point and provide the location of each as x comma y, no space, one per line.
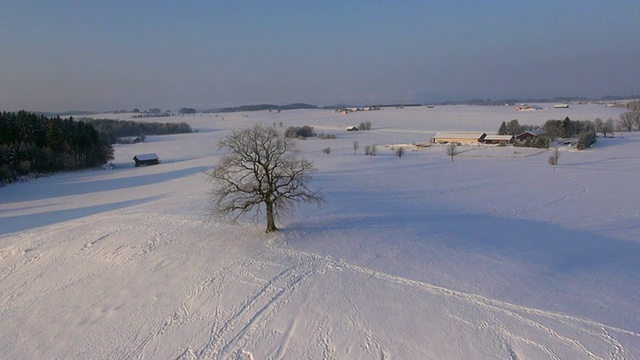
146,159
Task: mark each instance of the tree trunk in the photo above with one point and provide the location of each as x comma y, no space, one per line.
271,223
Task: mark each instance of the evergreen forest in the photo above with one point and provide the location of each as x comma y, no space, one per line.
33,144
113,130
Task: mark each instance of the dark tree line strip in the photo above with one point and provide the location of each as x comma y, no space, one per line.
111,130
585,130
34,144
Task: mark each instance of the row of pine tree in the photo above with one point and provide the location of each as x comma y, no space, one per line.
33,144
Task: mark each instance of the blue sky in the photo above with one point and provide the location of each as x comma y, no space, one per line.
103,55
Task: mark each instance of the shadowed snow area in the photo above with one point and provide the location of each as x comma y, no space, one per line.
494,255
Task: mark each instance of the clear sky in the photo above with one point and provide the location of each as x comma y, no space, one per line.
105,55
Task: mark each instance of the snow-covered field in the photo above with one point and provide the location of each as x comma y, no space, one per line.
494,255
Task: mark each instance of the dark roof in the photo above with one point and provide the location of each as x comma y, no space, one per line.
146,157
536,132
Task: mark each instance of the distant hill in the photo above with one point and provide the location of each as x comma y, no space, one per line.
261,107
560,99
293,106
65,113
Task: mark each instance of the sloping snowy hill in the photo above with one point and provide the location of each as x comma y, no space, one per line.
494,255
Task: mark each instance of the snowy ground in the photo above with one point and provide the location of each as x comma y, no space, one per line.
494,255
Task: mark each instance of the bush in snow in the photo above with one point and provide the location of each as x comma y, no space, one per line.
452,150
299,132
586,140
555,155
365,125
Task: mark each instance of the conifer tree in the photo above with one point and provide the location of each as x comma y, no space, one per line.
503,129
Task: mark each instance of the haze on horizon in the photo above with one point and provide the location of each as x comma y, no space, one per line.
105,55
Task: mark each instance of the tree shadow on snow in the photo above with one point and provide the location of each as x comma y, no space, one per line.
563,249
532,263
11,224
67,186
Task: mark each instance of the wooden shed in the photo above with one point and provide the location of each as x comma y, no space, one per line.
459,137
499,139
146,159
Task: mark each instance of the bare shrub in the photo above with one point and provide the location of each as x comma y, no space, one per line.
365,125
452,150
299,132
370,150
324,136
555,155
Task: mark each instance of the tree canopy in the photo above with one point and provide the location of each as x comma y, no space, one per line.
262,170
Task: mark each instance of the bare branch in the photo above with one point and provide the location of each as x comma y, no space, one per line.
261,169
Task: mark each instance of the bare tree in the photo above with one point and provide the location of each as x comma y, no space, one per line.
608,127
599,125
555,155
399,151
627,120
636,118
261,171
370,150
452,150
355,147
633,105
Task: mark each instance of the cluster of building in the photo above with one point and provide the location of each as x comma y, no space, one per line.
482,138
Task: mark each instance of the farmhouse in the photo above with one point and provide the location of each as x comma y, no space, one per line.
459,137
529,134
146,159
499,139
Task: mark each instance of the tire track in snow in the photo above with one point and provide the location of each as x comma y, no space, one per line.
584,190
619,352
188,311
255,311
509,310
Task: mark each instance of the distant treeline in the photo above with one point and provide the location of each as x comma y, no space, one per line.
262,107
585,130
554,129
562,99
34,144
110,130
633,105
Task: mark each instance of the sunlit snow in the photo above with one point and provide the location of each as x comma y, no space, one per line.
494,255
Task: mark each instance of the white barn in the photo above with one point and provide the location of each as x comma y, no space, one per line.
499,139
459,137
